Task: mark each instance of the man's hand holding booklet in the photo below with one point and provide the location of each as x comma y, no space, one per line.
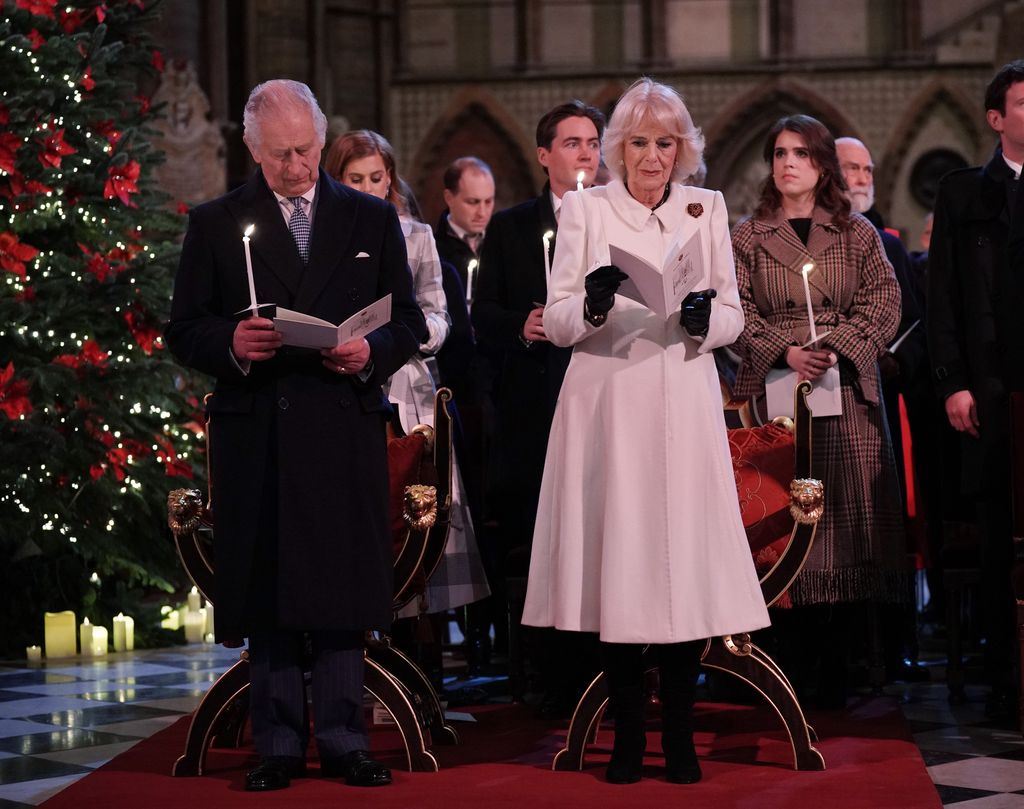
306,331
660,289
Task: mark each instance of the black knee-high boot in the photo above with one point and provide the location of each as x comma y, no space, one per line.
678,670
624,671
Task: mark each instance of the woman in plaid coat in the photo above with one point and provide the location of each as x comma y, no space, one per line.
802,216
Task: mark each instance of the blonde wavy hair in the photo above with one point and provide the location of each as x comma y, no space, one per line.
649,103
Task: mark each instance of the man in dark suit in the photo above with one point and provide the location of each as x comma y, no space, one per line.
507,316
469,195
298,453
975,334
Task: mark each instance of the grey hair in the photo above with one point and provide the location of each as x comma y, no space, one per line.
275,95
648,102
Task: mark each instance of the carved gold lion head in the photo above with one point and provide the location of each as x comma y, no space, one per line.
806,500
184,510
420,507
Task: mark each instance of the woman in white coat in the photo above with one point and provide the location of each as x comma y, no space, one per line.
639,535
365,160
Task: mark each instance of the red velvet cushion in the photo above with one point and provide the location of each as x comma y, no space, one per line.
763,461
405,456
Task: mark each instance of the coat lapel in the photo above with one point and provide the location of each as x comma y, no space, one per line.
780,241
272,247
333,225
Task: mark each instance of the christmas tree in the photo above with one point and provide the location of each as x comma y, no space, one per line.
96,420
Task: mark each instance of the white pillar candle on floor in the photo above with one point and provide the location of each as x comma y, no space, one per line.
100,639
195,624
209,619
171,618
59,634
85,634
193,600
34,654
124,633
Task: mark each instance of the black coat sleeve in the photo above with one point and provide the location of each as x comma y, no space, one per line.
945,297
498,325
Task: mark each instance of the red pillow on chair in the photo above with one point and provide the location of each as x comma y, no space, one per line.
405,456
763,460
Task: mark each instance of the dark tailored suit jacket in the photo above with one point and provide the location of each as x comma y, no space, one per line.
453,249
975,305
298,455
512,278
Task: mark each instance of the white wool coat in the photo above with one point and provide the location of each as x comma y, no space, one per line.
638,533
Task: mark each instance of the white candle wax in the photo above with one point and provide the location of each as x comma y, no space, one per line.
807,295
248,267
193,600
209,618
209,637
85,636
59,634
99,641
471,270
34,654
195,624
579,181
547,252
124,633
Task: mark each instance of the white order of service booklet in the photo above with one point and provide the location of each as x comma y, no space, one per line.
825,398
660,289
306,331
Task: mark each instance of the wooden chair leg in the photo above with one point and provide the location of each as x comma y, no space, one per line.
423,695
733,654
398,701
736,655
220,719
210,718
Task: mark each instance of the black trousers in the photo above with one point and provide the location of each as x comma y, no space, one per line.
278,705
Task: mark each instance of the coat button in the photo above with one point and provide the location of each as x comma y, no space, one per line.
353,294
344,402
826,302
282,403
790,304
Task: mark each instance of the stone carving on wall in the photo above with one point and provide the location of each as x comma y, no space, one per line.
195,167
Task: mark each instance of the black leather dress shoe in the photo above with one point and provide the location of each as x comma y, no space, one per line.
357,768
274,772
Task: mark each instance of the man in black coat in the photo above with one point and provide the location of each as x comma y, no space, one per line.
297,436
975,334
507,315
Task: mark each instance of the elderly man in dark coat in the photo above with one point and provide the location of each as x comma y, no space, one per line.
975,299
298,448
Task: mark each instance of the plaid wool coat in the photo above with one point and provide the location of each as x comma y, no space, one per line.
859,550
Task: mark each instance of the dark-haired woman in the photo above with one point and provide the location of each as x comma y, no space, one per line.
803,217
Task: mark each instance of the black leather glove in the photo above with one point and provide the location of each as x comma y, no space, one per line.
696,312
601,285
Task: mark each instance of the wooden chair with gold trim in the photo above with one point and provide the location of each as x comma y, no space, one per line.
736,654
421,484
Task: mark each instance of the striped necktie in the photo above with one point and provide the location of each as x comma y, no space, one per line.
298,224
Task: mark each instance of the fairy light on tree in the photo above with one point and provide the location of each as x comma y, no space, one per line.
92,408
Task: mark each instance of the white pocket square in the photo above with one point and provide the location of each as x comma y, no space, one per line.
362,255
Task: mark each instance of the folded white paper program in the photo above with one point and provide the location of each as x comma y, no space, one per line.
780,387
660,289
306,331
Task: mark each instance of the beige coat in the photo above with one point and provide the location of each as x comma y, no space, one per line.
638,533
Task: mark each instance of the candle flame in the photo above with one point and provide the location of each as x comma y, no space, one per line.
549,236
579,177
808,267
472,264
248,231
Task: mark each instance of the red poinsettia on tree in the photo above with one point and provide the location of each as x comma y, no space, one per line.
93,411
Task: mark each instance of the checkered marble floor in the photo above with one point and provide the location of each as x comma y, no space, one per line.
59,722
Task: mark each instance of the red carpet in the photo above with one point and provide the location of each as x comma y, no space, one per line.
504,761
